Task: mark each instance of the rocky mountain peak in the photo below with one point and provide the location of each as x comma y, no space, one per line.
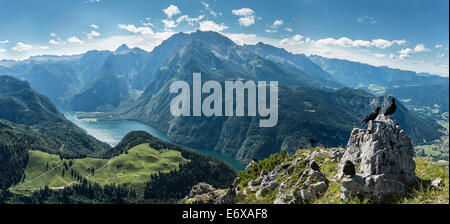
123,49
383,155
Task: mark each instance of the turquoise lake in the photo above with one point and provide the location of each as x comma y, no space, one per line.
112,132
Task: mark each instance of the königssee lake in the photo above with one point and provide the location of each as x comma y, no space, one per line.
112,132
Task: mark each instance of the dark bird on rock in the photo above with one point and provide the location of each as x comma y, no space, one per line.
312,142
372,116
315,166
349,168
391,108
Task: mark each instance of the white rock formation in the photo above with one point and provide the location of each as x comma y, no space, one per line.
384,155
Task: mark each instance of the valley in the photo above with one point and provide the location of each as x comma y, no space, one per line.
113,131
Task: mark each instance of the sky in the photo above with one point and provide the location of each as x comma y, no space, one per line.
406,34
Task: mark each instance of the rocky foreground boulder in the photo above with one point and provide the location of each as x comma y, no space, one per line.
383,155
384,167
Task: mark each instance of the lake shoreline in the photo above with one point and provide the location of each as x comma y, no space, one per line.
112,131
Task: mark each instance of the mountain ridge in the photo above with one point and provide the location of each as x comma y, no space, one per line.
240,137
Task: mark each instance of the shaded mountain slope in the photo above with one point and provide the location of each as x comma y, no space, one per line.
32,119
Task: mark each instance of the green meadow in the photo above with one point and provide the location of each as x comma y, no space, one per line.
131,169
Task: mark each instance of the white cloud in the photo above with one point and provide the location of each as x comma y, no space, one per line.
145,42
209,10
243,12
304,45
438,46
44,47
297,37
4,41
308,47
288,29
94,26
22,47
347,42
382,44
344,42
361,43
277,23
189,20
341,42
168,23
171,23
270,31
74,40
367,18
295,40
52,34
93,34
209,25
379,55
399,42
408,52
247,16
246,21
2,50
182,18
421,48
440,55
148,24
405,53
53,42
171,11
133,29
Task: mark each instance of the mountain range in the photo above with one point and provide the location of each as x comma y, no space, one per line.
320,98
425,94
310,106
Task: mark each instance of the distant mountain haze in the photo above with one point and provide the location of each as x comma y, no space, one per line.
425,94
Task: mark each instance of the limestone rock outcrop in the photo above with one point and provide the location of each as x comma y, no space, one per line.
202,193
383,155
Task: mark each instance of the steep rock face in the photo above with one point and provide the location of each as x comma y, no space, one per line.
384,155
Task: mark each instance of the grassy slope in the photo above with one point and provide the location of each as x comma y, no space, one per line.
425,170
132,169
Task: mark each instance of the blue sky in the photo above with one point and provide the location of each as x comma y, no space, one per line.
410,34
